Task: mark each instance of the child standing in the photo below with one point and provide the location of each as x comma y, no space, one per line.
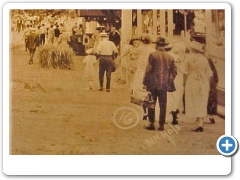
89,62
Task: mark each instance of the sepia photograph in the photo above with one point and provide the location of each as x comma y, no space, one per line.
116,81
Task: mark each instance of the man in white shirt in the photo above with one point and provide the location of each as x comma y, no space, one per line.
43,31
107,51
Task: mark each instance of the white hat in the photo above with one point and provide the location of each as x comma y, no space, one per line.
197,46
103,34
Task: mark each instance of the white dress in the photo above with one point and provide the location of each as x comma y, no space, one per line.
197,85
142,53
175,98
89,62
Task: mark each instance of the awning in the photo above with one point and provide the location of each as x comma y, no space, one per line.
91,13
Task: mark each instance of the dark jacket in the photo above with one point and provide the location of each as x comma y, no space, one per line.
56,32
160,67
32,41
115,38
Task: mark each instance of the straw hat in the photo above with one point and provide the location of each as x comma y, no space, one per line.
135,37
197,46
162,41
103,35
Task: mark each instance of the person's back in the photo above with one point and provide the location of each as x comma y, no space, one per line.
196,62
106,47
32,41
161,64
56,32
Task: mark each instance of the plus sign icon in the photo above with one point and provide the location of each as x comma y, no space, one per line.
227,145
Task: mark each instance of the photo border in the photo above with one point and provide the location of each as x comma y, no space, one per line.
113,164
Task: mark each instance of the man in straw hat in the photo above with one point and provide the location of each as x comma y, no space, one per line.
107,52
159,70
32,43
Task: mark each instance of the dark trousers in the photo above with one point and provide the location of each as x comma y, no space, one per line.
26,44
105,65
31,52
162,98
42,39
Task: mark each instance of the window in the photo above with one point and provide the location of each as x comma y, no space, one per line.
218,19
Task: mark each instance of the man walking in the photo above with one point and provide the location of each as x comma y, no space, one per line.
32,43
26,33
160,68
107,52
43,34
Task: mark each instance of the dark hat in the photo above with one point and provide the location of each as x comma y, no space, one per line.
100,28
145,38
161,41
135,37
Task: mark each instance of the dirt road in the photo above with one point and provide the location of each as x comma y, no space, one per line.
52,113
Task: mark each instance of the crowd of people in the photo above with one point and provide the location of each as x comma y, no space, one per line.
152,69
187,69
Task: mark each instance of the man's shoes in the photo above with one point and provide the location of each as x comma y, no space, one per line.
100,89
174,122
108,90
145,116
151,127
212,120
161,128
30,63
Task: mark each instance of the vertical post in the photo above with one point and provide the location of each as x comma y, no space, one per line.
162,23
208,23
170,23
139,22
154,24
125,35
185,22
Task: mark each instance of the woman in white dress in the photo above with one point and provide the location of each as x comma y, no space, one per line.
143,51
175,98
197,85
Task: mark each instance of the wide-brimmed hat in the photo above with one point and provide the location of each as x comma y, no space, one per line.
168,47
103,35
162,41
135,37
197,46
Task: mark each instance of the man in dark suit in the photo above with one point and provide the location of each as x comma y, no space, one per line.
32,43
160,67
114,36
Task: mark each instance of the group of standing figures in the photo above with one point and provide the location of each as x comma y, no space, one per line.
193,74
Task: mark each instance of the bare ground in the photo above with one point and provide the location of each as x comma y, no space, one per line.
53,114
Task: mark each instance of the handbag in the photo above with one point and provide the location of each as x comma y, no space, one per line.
142,98
114,66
